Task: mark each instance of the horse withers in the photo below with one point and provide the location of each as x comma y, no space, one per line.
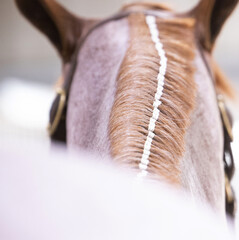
142,87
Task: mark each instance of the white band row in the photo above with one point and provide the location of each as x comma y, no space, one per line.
143,165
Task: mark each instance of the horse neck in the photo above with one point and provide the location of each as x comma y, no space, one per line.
92,98
94,85
202,164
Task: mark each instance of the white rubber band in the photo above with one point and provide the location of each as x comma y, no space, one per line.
143,165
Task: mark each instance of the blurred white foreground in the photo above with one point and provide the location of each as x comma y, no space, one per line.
53,196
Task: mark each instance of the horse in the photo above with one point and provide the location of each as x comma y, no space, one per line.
143,88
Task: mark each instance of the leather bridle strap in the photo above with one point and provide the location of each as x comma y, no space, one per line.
229,166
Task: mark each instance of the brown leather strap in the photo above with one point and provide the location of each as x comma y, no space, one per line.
229,165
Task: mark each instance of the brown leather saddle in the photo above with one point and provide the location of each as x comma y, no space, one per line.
57,125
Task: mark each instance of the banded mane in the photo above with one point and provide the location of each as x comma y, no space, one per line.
136,88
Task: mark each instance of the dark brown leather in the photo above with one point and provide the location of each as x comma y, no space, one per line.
60,133
229,168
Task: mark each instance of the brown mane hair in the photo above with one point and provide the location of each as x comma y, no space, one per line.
136,87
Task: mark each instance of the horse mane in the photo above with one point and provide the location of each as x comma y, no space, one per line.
136,88
222,83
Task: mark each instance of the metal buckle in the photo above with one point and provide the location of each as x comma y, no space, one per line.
52,127
225,118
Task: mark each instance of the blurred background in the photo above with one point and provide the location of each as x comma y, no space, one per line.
29,67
